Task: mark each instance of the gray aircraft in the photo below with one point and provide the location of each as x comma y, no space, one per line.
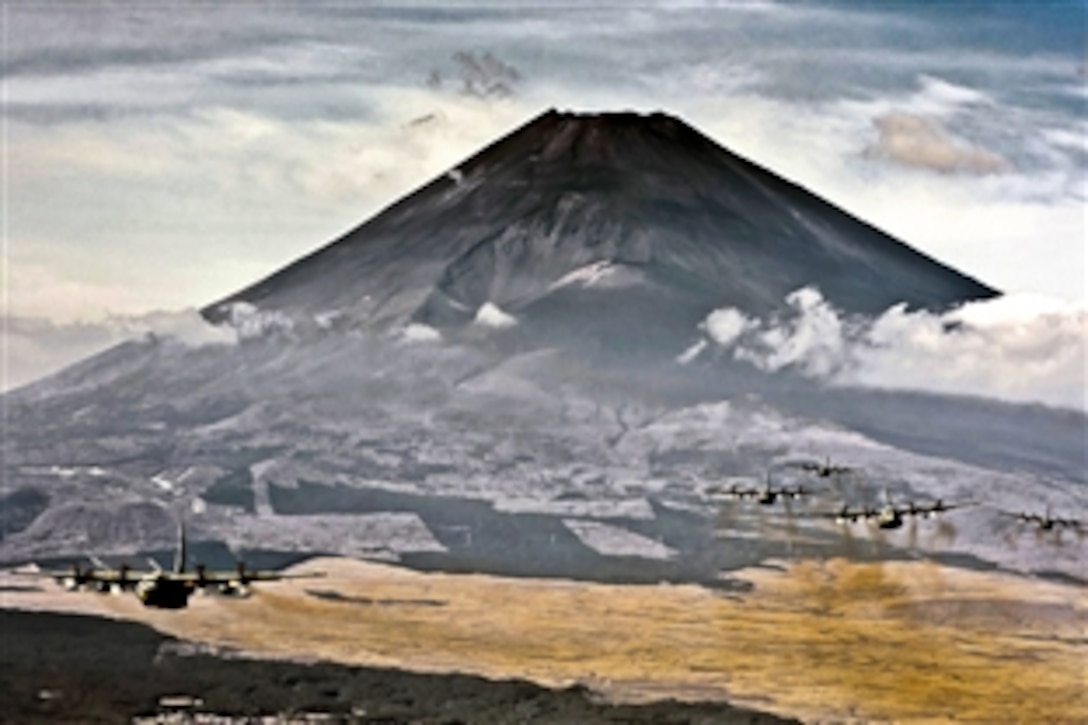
1046,522
890,516
823,470
166,589
766,494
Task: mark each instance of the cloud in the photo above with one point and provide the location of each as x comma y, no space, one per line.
939,96
694,351
36,347
812,340
1018,348
482,75
1021,230
248,322
917,141
725,326
217,198
491,315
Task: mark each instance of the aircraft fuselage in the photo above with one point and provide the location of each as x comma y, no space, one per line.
889,518
767,497
164,593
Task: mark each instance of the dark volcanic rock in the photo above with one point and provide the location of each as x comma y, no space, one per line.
70,669
640,219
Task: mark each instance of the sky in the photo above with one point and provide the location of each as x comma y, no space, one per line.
159,156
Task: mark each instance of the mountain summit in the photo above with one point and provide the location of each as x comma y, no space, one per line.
642,216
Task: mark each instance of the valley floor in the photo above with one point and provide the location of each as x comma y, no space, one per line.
817,640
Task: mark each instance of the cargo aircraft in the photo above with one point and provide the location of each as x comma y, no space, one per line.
1046,522
890,516
161,588
765,494
823,470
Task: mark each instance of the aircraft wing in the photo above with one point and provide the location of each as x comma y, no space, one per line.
1031,518
110,576
805,465
818,466
940,506
88,575
230,576
846,513
732,491
102,579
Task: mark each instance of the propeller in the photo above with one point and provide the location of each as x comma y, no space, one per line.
201,576
844,515
239,586
123,580
75,580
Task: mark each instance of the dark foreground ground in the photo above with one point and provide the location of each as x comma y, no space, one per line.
58,668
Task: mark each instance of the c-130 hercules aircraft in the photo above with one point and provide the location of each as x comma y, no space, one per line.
165,589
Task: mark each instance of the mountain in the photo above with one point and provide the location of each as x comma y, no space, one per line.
641,219
330,426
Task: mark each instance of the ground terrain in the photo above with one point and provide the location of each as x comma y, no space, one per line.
818,640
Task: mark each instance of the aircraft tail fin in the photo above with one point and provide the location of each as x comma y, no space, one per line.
181,554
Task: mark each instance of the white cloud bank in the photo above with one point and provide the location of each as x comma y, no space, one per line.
1018,348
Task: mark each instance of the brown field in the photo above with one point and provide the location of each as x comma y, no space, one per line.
822,641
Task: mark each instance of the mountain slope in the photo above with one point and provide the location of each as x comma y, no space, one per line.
474,451
642,211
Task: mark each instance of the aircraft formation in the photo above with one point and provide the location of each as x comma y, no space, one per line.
172,589
162,588
888,516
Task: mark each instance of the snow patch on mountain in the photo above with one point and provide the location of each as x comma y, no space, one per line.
328,319
419,332
162,482
587,276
